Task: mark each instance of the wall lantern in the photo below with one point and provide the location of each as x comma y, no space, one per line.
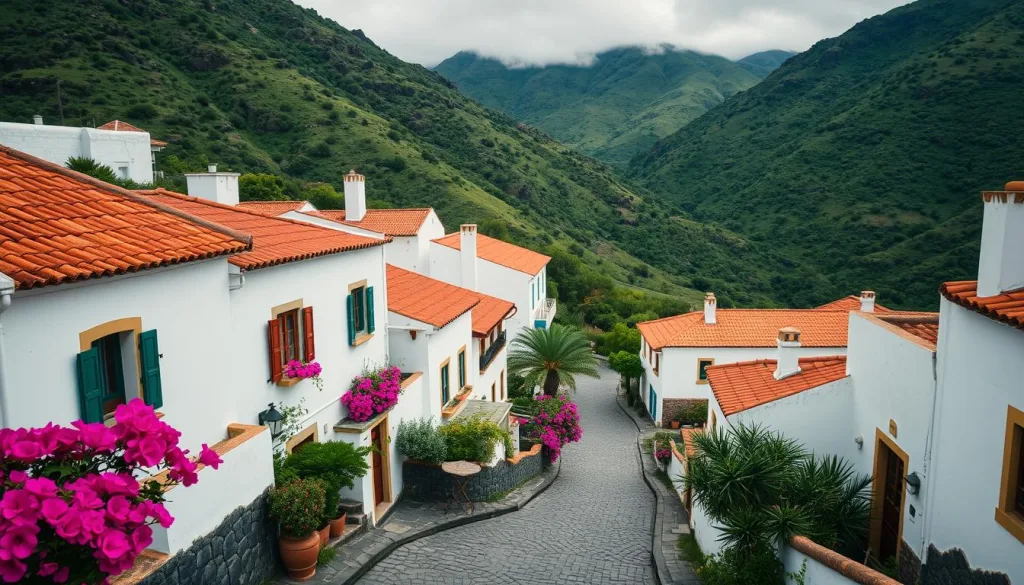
273,419
913,483
860,441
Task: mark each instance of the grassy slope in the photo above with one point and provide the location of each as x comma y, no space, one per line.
266,86
613,109
763,63
864,155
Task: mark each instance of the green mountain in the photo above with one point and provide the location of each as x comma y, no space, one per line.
763,63
863,157
266,86
614,108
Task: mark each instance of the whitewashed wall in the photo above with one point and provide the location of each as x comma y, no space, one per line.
817,573
493,373
431,229
429,350
59,143
980,371
706,534
492,279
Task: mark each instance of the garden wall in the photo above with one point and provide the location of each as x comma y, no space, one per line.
822,566
682,410
426,482
241,551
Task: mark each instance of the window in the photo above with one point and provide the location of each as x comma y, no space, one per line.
359,309
494,392
291,338
501,377
533,294
359,305
118,362
657,362
462,367
445,390
111,372
122,171
289,323
702,369
1010,511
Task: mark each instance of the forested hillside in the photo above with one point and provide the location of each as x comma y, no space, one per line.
614,108
763,63
864,156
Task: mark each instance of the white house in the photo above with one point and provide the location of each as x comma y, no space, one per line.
127,150
496,268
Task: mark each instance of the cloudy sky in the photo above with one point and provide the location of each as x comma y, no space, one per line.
568,31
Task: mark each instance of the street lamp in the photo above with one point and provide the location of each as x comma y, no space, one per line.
273,419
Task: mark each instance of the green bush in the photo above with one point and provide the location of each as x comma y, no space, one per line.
517,387
420,440
298,506
335,463
471,439
733,567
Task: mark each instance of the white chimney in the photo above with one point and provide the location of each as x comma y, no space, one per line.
710,304
219,187
37,120
1001,267
867,301
788,360
355,196
467,255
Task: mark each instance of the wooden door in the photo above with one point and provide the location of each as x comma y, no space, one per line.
378,466
494,392
892,505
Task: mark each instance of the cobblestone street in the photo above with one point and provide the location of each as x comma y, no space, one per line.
593,525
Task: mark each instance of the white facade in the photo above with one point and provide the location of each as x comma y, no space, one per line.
128,154
432,348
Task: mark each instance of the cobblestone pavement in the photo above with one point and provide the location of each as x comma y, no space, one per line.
592,526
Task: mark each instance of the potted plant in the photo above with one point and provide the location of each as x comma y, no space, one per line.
298,507
663,455
337,464
675,424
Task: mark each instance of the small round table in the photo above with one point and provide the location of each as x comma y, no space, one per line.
461,472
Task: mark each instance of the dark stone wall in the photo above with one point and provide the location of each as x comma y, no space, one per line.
427,482
241,551
676,409
910,566
951,568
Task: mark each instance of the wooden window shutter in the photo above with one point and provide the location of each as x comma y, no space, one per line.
149,355
309,348
90,386
369,310
276,357
351,320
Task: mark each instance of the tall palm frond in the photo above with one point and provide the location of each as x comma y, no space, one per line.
552,358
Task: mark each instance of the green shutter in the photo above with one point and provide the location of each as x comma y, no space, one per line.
149,353
462,369
90,386
351,320
369,309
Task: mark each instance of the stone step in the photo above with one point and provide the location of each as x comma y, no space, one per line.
351,507
355,519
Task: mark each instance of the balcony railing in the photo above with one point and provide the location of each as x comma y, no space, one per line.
545,314
490,352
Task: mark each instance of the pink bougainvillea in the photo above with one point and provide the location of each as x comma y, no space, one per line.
297,369
557,423
71,508
663,454
372,393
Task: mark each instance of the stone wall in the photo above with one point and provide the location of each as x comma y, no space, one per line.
426,482
241,551
951,568
910,566
676,409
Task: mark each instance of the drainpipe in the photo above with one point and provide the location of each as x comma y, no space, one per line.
6,290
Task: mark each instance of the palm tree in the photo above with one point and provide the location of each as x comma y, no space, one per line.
552,357
88,166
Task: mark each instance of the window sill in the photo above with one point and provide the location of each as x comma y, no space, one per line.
702,382
362,339
288,382
1013,523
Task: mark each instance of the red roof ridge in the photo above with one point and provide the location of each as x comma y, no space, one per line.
741,386
128,193
1007,307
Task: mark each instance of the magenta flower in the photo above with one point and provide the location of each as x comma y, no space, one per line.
208,456
373,393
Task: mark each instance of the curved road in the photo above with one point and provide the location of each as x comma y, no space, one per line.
593,525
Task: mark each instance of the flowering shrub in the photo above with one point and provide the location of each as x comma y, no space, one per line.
299,506
71,509
297,369
556,423
663,454
372,393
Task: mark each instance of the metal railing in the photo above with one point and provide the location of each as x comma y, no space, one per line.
490,352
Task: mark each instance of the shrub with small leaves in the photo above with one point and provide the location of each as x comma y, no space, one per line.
420,440
298,506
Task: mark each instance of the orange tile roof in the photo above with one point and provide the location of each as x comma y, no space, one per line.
1006,308
849,303
119,126
747,328
489,313
391,222
687,434
275,240
744,385
271,207
425,299
58,226
499,252
926,330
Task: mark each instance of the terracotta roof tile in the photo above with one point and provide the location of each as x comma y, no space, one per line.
58,226
1006,308
747,328
272,207
275,240
119,126
924,327
391,222
849,303
422,298
499,252
489,312
744,385
687,434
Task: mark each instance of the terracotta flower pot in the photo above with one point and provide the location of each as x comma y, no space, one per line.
338,525
299,555
325,534
675,424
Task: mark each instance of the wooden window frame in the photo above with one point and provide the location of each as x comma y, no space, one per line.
300,437
441,381
279,313
1007,514
461,361
657,362
130,325
291,342
501,377
699,369
878,491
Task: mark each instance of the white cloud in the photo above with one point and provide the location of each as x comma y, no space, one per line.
571,31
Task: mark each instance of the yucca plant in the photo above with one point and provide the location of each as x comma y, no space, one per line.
552,358
88,166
